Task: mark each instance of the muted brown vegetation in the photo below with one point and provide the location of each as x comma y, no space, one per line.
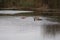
35,5
29,3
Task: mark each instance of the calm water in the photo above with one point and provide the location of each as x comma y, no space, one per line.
16,28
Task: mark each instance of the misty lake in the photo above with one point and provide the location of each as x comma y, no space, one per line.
16,28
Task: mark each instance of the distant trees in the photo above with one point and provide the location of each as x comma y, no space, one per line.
1,3
53,4
17,3
20,3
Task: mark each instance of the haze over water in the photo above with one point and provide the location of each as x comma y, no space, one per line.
16,28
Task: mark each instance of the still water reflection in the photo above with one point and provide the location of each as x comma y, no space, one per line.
15,28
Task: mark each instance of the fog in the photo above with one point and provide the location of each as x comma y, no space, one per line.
16,28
